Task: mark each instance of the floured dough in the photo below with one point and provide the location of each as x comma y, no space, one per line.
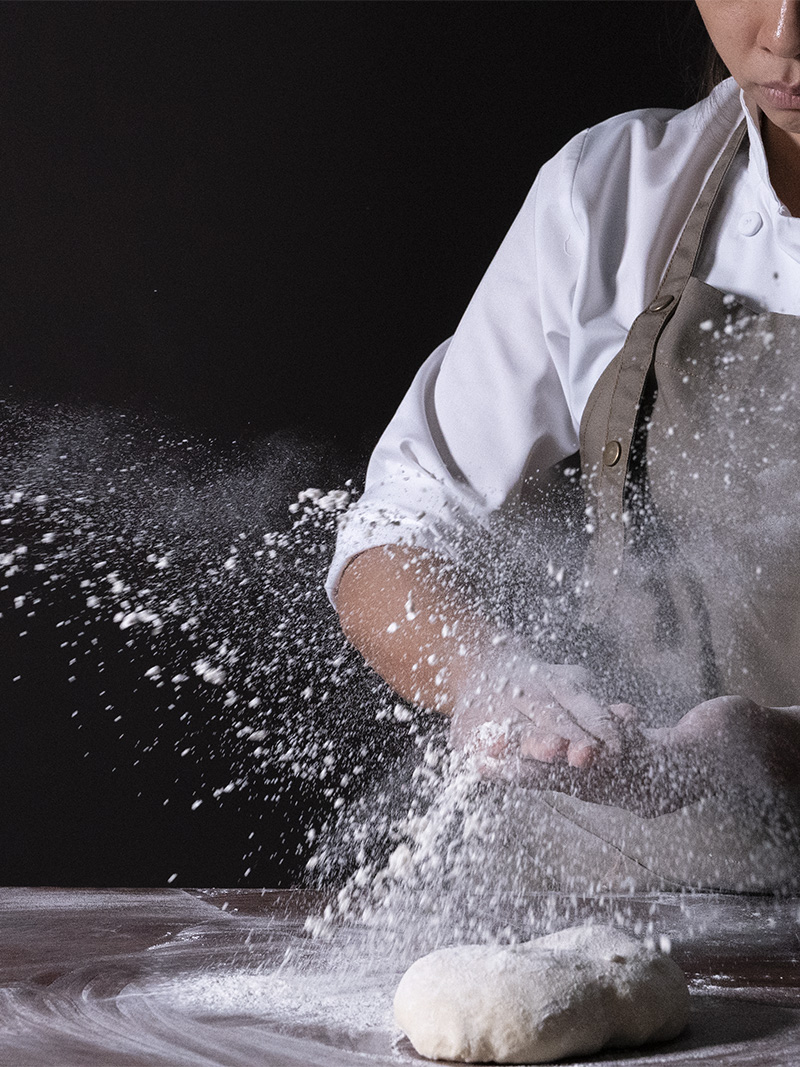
567,994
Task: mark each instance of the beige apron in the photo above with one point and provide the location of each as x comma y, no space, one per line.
690,455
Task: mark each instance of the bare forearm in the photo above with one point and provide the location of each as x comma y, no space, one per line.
412,618
415,619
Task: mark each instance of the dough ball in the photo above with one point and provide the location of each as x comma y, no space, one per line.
567,994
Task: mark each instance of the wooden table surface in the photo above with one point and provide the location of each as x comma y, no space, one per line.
228,978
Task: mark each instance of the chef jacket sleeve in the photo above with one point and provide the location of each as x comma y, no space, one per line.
491,406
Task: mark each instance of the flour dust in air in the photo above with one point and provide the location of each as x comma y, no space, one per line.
178,582
201,565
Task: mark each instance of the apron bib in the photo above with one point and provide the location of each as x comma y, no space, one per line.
690,448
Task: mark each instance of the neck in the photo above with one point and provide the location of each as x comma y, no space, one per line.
783,159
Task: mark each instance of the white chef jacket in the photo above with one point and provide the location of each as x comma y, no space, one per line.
502,400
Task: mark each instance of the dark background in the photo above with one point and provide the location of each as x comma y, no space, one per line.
250,219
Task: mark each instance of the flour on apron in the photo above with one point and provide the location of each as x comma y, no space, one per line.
689,455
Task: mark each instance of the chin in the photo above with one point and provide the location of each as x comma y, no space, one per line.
788,121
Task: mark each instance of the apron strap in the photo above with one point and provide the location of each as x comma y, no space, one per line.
606,443
684,259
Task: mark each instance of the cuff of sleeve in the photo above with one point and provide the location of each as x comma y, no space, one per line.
364,529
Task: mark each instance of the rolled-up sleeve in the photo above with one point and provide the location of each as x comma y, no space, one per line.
489,407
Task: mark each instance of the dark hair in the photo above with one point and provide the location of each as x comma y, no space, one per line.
699,62
714,70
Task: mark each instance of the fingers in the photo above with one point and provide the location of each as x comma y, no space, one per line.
568,726
624,712
486,748
524,758
576,730
590,717
550,748
543,747
540,715
489,739
582,757
508,745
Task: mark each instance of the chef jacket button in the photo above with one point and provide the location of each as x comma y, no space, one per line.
750,223
612,453
661,303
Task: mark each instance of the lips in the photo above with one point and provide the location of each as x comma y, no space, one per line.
783,87
781,95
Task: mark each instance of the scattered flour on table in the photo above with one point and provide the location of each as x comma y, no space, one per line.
200,566
302,999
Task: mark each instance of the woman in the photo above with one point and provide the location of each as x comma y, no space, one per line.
643,313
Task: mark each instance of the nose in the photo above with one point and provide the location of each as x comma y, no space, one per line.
780,28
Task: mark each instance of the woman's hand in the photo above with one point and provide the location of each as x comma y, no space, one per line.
728,747
519,718
732,742
539,725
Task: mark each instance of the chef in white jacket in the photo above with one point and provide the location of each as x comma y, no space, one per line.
641,324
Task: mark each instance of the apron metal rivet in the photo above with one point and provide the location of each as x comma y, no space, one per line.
612,453
661,303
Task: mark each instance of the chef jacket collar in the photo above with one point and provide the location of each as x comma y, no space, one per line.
757,166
